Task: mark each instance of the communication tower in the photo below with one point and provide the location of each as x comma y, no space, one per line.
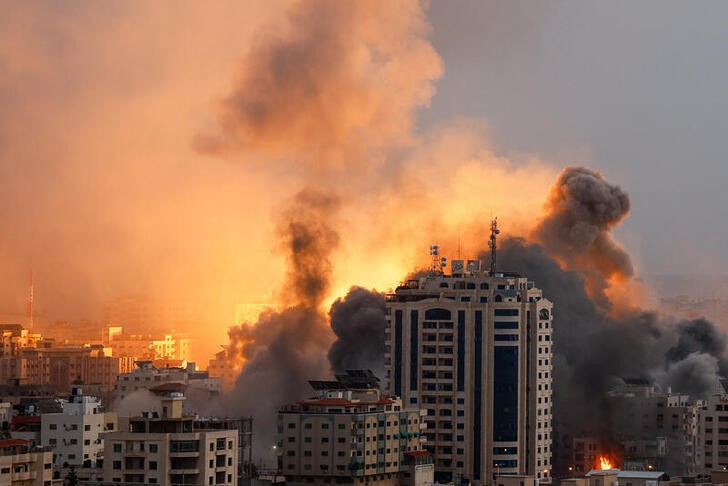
494,232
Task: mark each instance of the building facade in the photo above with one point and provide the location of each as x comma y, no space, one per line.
474,350
169,449
147,376
349,433
76,435
23,464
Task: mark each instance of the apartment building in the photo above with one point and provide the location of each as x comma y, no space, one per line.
656,428
349,432
168,449
713,435
23,464
474,350
170,345
15,337
147,376
76,435
60,367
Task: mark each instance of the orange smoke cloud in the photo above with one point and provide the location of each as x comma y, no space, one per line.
581,210
332,85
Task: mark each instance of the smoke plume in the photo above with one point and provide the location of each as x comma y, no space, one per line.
286,348
334,80
581,210
358,322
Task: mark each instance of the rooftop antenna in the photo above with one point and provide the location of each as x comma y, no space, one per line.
494,232
436,265
31,294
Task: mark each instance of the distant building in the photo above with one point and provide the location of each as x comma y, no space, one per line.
23,464
140,313
654,428
221,366
15,337
169,345
475,351
59,367
168,449
349,432
76,435
147,376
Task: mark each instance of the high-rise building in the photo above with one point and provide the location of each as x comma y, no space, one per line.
474,350
350,433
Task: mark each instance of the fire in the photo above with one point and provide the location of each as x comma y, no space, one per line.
605,463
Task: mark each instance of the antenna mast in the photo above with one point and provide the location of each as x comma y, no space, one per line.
31,292
494,232
438,263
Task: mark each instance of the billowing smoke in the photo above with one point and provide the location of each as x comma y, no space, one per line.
358,322
582,208
286,348
336,79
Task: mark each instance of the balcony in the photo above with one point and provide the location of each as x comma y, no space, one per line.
24,476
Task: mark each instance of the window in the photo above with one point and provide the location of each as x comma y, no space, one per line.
87,442
53,426
117,447
117,465
506,312
153,465
153,448
52,442
87,427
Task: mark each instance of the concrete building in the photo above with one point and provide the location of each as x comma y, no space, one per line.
713,435
76,435
169,345
23,464
60,367
475,351
15,337
147,376
169,449
350,433
221,366
617,477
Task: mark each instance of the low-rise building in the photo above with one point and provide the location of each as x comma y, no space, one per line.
168,448
76,435
147,376
349,432
23,464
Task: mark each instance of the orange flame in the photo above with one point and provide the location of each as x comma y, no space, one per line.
605,463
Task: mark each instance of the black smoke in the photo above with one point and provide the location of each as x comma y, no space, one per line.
286,348
358,322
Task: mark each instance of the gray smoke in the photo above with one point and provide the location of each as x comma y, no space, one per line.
582,208
594,351
358,322
286,348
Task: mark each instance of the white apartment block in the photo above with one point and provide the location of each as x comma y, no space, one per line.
475,351
350,433
168,449
76,435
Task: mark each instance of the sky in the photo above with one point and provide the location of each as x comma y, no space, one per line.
634,89
120,170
